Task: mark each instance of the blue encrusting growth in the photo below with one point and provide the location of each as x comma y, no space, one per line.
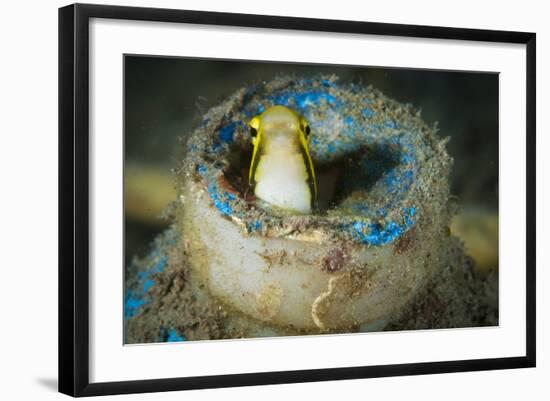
148,284
158,267
133,302
137,297
170,336
375,234
366,112
379,223
303,100
173,336
255,225
340,128
227,132
222,199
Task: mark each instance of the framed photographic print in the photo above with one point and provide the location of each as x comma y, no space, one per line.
249,199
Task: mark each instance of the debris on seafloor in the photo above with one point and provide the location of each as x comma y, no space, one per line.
376,254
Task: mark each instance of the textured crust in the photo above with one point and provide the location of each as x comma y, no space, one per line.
456,297
390,266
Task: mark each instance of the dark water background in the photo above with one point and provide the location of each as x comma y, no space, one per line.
165,97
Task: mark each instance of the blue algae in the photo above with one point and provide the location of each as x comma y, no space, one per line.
135,299
158,268
148,284
399,182
170,336
409,215
221,199
302,100
227,132
173,336
255,226
408,158
223,207
373,129
391,157
367,113
377,234
202,169
132,304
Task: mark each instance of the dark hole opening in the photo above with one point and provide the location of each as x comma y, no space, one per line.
336,180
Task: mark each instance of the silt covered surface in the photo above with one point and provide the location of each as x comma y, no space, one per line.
372,156
380,170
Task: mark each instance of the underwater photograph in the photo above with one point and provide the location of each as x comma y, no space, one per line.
266,199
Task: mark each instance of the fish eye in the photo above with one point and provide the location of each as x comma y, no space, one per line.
253,132
307,130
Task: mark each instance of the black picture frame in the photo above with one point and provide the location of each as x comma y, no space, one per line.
74,198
